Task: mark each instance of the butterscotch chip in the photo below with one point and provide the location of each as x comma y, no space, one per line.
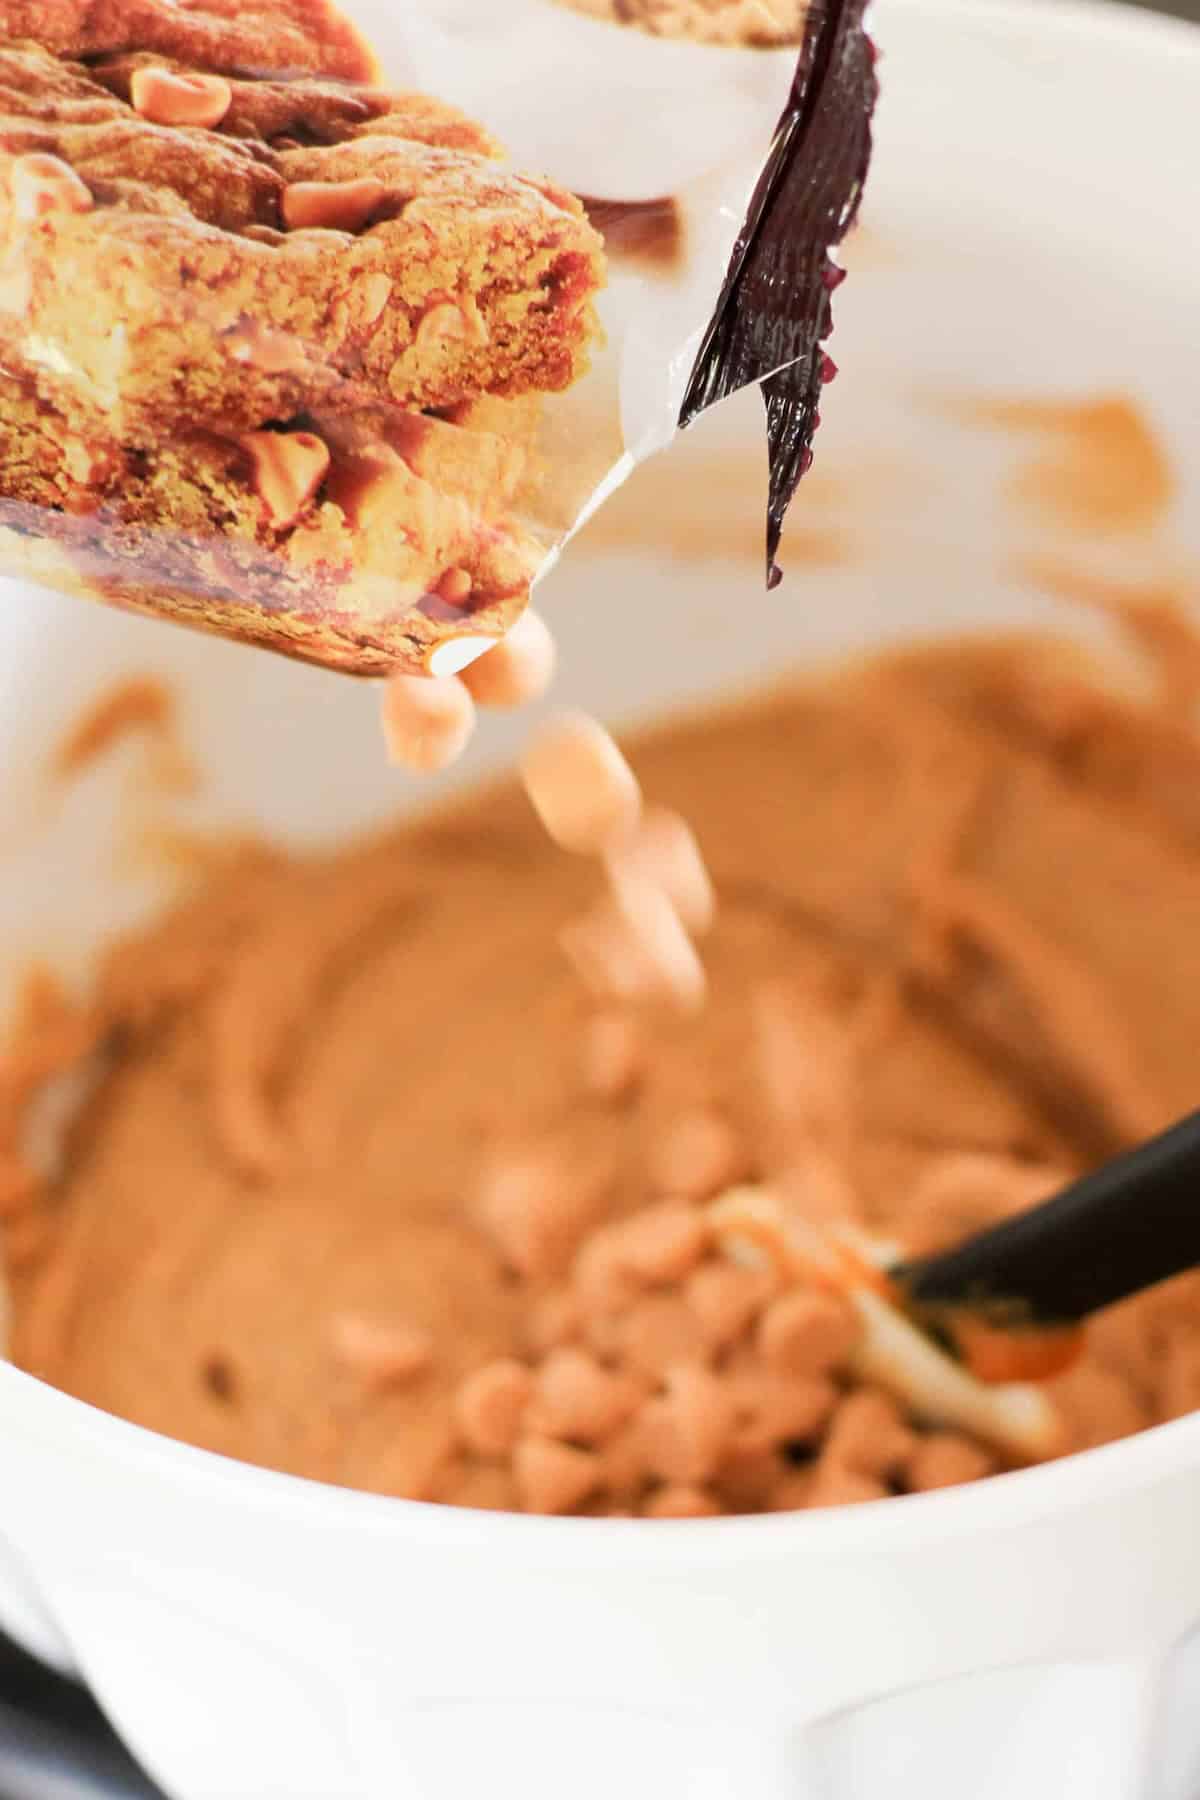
289,467
608,952
426,723
1098,1403
603,1282
170,99
490,1406
946,1459
967,1190
667,956
532,1207
869,1436
776,1409
575,1398
331,205
807,1333
658,1333
44,184
686,1431
455,586
680,1502
726,1299
579,784
380,1353
662,851
518,669
698,1157
662,1244
554,1478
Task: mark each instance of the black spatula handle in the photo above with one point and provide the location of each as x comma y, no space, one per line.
1122,1228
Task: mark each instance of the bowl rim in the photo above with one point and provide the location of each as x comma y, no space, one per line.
1102,30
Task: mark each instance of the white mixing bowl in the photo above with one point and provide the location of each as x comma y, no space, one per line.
1031,229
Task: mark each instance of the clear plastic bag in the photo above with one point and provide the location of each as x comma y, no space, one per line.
293,351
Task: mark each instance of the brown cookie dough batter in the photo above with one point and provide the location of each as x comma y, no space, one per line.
351,1195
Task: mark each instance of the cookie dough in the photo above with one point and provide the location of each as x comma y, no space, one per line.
368,1189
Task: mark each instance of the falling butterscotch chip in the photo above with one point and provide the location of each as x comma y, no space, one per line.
427,723
554,1478
606,951
580,785
671,969
662,852
516,670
